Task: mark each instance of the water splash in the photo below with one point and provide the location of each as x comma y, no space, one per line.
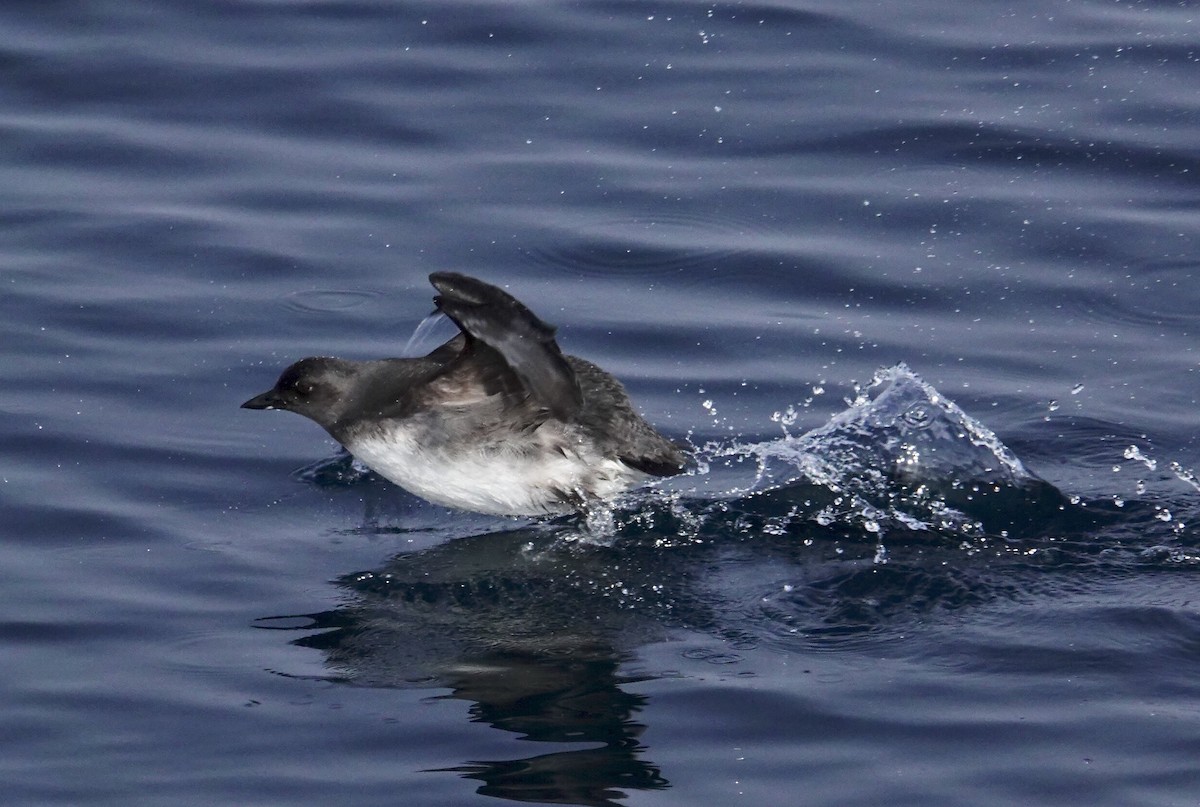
1185,475
901,458
1135,453
423,340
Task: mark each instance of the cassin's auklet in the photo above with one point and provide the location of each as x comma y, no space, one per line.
497,420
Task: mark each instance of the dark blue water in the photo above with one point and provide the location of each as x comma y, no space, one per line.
972,583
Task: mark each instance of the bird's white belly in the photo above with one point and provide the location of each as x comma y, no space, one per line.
493,479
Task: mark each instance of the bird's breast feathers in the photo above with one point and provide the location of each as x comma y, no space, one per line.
551,475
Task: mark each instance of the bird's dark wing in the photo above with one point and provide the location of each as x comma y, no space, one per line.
507,342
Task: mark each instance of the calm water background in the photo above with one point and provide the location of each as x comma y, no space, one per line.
736,208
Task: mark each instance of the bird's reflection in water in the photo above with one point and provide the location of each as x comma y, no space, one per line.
558,701
533,631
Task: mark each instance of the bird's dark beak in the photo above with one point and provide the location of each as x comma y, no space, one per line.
268,400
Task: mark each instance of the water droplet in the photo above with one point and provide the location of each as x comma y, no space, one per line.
918,415
1134,453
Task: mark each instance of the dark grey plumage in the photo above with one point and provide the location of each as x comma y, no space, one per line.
498,419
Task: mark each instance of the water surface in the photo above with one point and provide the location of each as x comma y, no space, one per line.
745,211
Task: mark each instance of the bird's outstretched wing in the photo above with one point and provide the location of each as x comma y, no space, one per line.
505,340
